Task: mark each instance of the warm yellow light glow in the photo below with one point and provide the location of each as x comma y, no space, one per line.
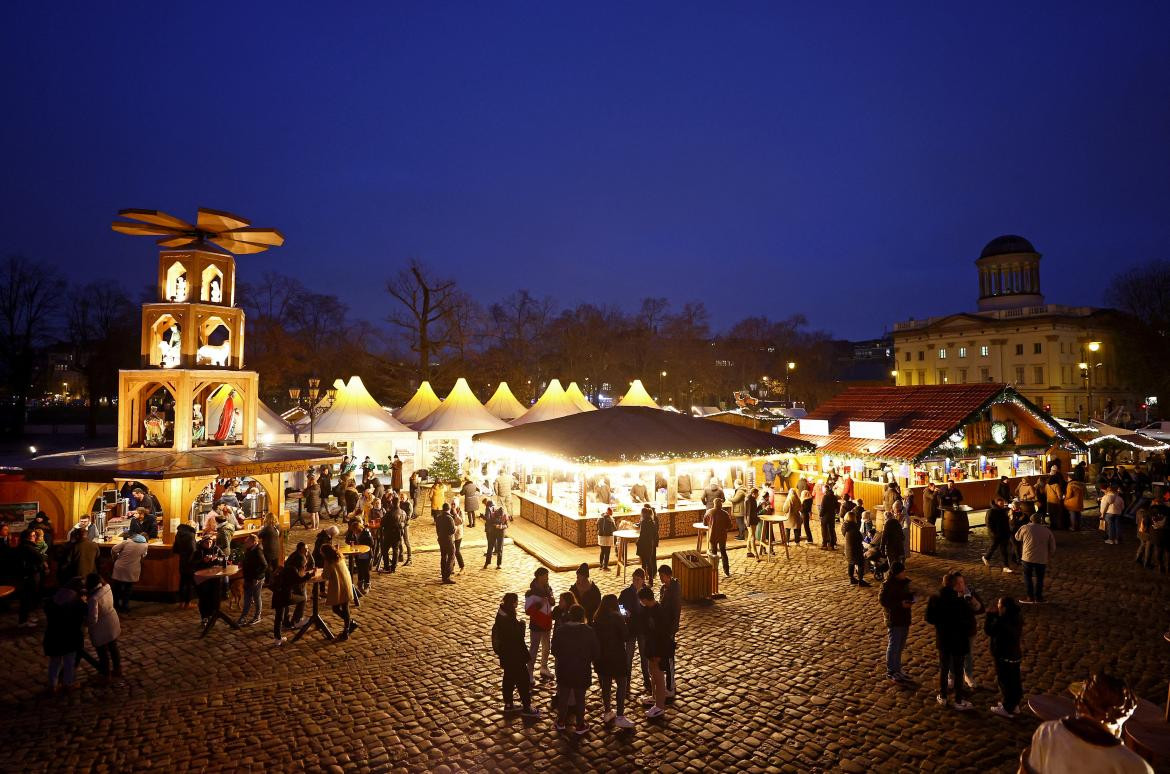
32,450
664,373
894,374
1094,346
791,366
1083,366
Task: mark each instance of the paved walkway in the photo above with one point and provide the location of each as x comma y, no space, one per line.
784,675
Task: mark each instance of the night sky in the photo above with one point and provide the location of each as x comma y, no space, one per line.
846,161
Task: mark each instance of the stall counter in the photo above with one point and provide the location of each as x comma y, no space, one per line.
582,530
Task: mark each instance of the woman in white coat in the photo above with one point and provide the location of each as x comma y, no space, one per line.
128,556
104,625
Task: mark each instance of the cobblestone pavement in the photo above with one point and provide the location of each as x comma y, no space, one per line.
786,674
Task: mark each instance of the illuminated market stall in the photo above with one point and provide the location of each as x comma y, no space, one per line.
573,468
452,425
553,404
503,404
573,392
359,427
967,433
421,404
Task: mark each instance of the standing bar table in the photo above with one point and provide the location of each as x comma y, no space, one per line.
217,575
315,620
623,538
351,553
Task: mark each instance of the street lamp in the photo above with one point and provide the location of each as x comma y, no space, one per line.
661,380
894,375
788,381
1087,369
309,400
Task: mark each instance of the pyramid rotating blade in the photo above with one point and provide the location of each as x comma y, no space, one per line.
256,236
142,229
215,221
157,218
176,241
238,247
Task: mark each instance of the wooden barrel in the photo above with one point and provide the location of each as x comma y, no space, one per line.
955,526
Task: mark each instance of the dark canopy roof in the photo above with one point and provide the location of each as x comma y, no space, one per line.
98,465
639,434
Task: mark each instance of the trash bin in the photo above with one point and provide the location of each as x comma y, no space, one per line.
921,536
693,571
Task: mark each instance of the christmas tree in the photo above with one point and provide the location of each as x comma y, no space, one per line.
444,467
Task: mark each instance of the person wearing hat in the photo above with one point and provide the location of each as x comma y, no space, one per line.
586,593
127,556
897,599
1089,740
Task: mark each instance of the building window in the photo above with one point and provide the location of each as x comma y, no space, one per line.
962,376
1019,349
907,356
985,374
942,353
1037,348
1039,374
1020,373
921,354
984,351
962,352
922,377
942,376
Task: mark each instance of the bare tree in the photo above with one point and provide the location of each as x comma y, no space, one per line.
426,301
99,320
29,295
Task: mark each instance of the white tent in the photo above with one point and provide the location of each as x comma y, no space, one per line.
554,404
270,428
579,400
422,403
355,418
637,396
454,422
503,403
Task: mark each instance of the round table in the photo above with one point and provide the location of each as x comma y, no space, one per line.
771,521
315,619
1151,740
623,536
216,575
1051,706
701,530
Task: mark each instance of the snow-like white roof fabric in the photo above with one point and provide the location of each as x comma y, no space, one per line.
460,411
579,400
554,404
503,403
423,402
354,410
637,396
268,422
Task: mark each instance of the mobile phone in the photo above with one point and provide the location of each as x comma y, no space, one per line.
622,609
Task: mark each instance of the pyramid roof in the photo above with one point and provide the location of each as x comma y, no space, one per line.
553,404
503,403
460,411
637,396
354,410
423,402
579,400
268,422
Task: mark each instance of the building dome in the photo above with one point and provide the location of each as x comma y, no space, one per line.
1007,244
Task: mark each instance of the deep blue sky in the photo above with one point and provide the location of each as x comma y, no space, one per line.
842,160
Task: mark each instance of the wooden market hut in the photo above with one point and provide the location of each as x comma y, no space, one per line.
969,433
567,466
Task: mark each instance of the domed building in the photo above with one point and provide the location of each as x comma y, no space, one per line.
1058,356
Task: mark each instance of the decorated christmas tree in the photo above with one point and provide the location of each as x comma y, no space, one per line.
444,467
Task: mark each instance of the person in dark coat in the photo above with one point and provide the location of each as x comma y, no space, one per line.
854,552
999,526
893,539
647,546
312,501
288,589
184,548
1004,625
930,503
670,600
575,647
612,633
64,634
254,568
829,506
395,474
585,593
509,647
658,649
718,522
635,616
359,535
390,534
445,532
272,545
1003,491
954,623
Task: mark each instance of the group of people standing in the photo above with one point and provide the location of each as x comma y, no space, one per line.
588,633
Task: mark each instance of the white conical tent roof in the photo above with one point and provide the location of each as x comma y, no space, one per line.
573,392
419,406
354,410
503,403
554,404
637,396
460,411
269,423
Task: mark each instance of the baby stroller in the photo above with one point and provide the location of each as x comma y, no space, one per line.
876,559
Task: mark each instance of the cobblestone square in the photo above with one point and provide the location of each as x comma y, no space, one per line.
786,674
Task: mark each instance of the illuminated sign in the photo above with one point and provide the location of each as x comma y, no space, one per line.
874,430
814,427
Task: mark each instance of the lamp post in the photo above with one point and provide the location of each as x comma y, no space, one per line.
789,368
894,376
661,381
1087,368
309,400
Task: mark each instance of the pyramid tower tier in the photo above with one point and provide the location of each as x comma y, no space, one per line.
181,409
192,335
